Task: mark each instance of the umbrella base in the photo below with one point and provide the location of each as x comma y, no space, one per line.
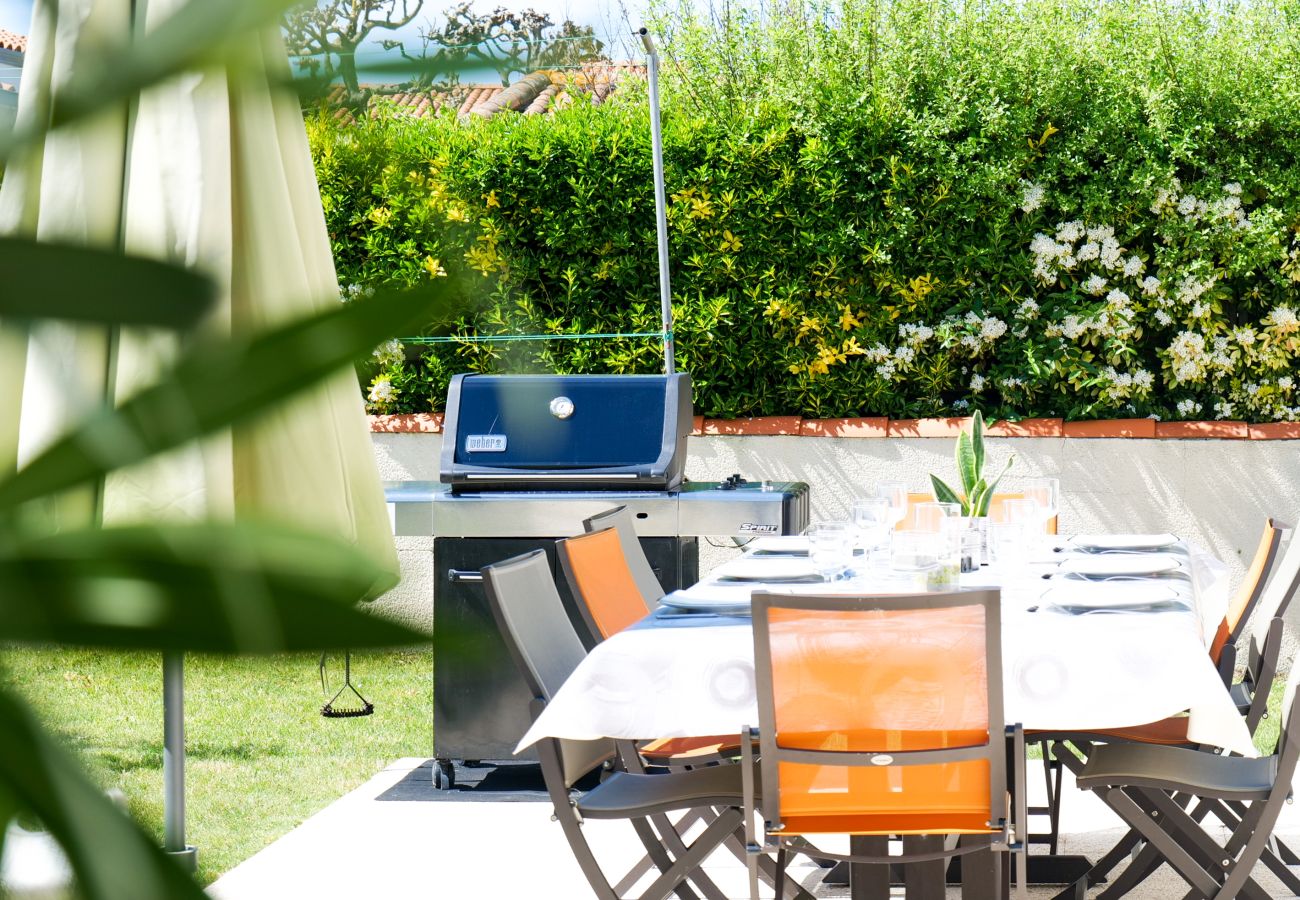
187,859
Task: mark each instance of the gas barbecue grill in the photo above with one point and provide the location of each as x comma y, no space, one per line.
525,459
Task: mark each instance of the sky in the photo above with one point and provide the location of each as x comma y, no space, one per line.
607,17
15,15
603,15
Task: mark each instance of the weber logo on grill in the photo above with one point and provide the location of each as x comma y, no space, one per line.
485,443
755,528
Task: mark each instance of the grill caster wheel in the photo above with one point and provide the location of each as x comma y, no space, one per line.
444,774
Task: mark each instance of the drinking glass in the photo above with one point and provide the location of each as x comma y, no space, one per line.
914,551
1006,543
830,548
896,493
1046,492
872,516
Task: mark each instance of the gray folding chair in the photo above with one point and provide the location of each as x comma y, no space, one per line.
1264,593
880,716
533,623
1137,780
620,518
1256,686
1262,599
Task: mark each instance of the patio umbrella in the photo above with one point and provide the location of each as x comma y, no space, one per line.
212,170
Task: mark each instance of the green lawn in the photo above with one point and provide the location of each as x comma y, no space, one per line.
261,757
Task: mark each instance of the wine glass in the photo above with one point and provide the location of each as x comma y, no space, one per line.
1046,492
830,548
896,493
873,517
930,516
1019,512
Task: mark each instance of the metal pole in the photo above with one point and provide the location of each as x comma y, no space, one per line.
661,202
174,761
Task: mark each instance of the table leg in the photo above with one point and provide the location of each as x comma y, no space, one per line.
924,880
868,881
982,877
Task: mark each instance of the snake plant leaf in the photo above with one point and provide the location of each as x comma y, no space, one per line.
966,468
977,441
945,494
85,284
996,481
110,856
212,587
980,498
220,385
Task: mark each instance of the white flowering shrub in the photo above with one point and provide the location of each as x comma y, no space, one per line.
1031,207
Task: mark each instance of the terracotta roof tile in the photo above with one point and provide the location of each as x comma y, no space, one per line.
11,41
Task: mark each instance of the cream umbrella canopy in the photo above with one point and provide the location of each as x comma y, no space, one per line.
210,170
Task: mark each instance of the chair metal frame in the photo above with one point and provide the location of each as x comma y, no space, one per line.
573,561
1139,782
1003,749
621,519
530,615
528,610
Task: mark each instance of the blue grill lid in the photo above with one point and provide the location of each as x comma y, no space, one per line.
626,427
617,420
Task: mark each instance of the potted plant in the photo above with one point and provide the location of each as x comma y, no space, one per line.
976,490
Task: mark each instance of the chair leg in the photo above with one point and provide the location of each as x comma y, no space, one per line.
656,853
779,881
766,867
701,847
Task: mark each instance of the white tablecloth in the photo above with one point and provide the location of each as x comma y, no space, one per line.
693,675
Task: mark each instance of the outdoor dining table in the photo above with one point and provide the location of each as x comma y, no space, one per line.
688,668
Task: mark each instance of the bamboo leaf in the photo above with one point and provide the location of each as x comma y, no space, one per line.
220,385
211,587
945,494
110,856
200,34
85,284
966,470
977,441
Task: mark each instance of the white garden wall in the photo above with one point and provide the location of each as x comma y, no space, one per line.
1215,492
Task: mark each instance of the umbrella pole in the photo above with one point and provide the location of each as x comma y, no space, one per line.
174,761
661,202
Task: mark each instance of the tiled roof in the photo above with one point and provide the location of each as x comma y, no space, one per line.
535,94
11,41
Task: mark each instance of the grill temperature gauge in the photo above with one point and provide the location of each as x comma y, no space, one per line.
561,407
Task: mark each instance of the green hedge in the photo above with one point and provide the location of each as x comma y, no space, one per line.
1041,208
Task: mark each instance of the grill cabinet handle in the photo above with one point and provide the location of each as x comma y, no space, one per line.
459,576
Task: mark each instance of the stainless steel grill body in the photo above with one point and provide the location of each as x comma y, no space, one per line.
525,460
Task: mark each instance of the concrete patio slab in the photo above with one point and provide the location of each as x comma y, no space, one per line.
391,839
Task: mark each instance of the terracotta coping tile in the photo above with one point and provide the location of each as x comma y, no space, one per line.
927,428
1039,428
1112,428
1275,431
879,427
871,427
1204,430
764,425
406,423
